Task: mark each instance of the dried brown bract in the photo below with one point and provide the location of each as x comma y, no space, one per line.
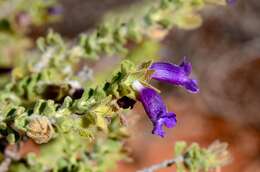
40,129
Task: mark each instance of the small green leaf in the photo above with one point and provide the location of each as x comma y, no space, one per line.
179,148
11,138
41,44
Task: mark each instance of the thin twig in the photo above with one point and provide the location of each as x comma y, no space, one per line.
163,164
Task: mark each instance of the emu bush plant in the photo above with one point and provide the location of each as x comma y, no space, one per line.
47,96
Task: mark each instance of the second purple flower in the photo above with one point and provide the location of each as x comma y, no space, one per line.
155,109
175,74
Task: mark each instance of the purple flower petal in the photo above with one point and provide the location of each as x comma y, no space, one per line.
175,74
155,109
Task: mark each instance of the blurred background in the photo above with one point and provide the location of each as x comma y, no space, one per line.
225,53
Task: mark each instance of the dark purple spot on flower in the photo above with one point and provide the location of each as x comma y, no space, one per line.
77,94
126,102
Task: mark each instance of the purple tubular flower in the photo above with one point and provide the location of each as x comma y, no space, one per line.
175,74
155,109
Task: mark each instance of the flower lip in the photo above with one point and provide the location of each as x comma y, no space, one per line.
155,109
175,74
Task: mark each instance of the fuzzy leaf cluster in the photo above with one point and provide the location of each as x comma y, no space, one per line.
156,19
81,115
196,158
